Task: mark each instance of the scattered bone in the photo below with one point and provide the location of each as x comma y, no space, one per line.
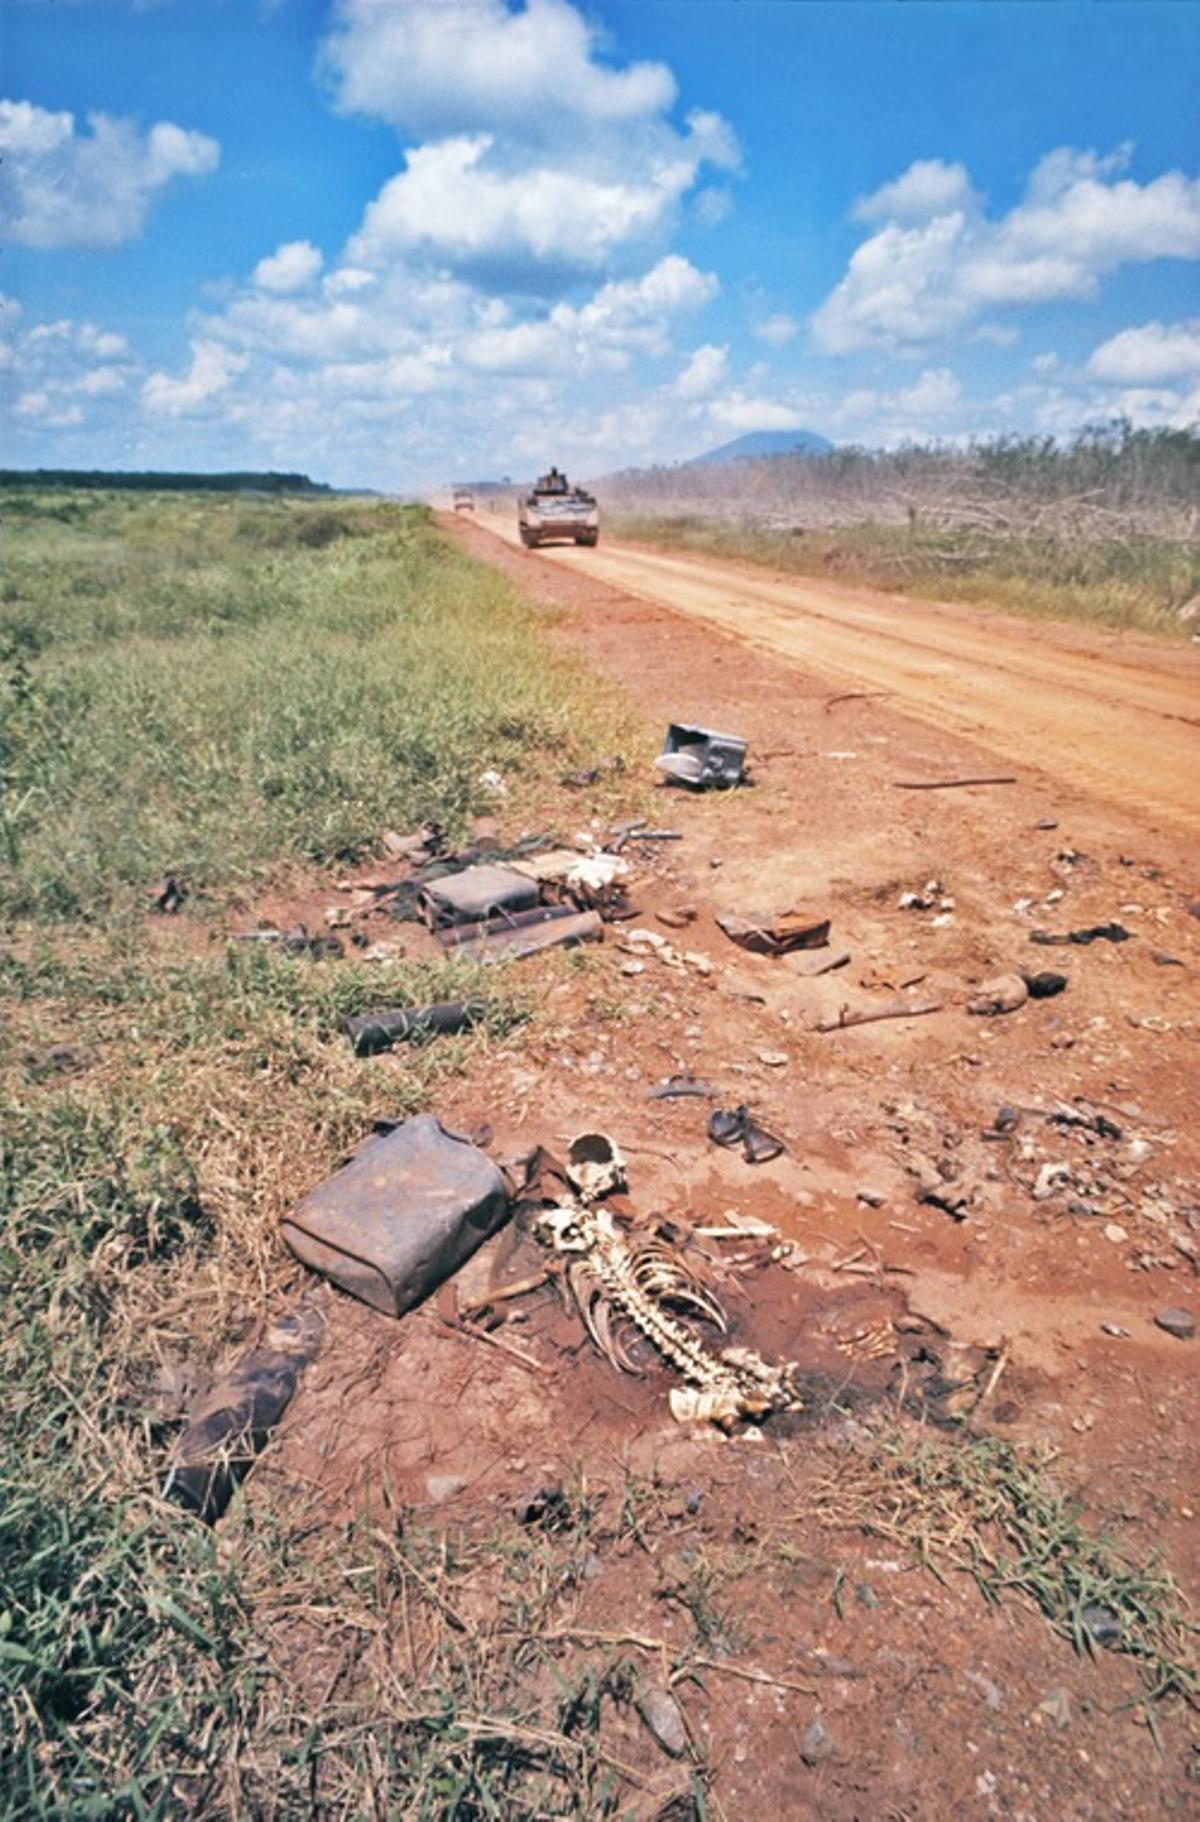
1003,994
898,1009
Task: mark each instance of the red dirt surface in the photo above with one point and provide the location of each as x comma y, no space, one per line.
933,1700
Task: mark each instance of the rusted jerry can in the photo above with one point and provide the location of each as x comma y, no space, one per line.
409,1208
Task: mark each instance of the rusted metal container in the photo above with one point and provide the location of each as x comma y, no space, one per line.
409,1208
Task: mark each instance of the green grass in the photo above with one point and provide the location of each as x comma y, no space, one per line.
1134,581
241,691
216,686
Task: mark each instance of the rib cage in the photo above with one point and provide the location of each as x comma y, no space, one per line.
606,1275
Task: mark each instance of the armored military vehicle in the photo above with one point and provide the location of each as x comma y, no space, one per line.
553,509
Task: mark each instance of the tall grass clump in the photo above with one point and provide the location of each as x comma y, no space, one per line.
213,685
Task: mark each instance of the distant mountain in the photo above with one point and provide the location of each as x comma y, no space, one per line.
763,443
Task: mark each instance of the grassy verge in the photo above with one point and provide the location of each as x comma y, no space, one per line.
232,689
213,686
1137,581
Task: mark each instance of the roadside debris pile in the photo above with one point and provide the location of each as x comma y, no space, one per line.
1068,1159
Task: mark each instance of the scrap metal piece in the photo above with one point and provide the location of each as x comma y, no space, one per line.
372,1032
409,1208
702,758
528,934
765,934
1107,933
477,894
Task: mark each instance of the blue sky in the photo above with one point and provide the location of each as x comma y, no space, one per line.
389,242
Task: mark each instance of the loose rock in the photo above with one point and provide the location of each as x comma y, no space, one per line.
816,1743
1180,1323
661,1714
1056,1706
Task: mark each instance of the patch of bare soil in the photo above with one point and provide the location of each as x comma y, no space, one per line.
1009,1202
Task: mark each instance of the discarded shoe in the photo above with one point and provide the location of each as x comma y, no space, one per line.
738,1128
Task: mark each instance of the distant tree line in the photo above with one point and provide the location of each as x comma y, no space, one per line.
1112,478
160,481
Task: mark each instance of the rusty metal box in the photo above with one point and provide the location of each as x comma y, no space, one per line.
408,1209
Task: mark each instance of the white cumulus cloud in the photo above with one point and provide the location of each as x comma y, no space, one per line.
777,330
63,187
741,411
531,160
1148,355
435,67
704,371
477,217
929,187
938,261
289,268
213,368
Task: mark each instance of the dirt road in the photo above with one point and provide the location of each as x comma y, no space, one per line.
1114,717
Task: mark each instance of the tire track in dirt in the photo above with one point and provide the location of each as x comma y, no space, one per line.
1121,727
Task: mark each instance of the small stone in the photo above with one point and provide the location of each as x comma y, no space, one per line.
442,1487
1180,1323
871,1198
866,1596
1102,1623
677,917
1115,1232
816,1743
774,1059
1046,822
661,1714
1056,1706
988,1690
1115,1330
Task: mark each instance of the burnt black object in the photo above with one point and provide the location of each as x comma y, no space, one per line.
1096,933
738,1128
372,1032
1044,986
232,1422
